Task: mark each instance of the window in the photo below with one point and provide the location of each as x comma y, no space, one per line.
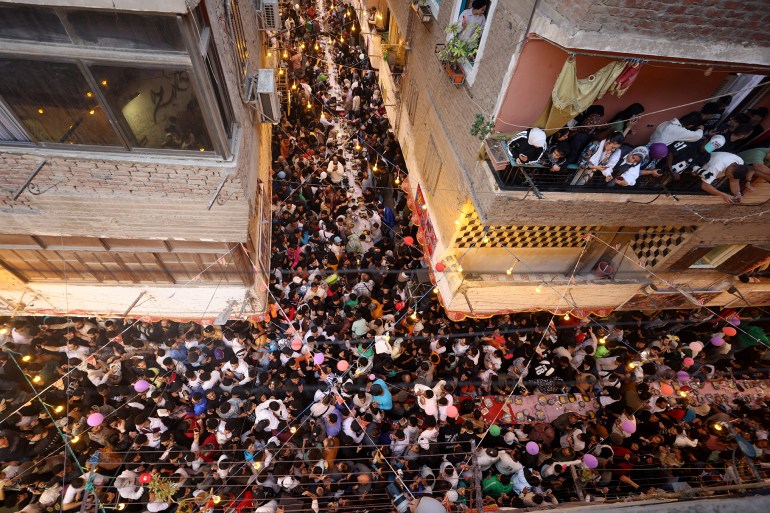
472,67
157,107
54,104
31,24
716,256
156,85
124,30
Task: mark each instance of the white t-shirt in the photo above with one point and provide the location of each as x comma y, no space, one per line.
717,165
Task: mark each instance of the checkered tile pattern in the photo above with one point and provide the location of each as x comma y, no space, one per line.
653,243
471,233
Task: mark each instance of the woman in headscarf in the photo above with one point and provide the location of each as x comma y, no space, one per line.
629,169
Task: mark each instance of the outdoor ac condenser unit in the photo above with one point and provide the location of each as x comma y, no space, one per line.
268,15
262,94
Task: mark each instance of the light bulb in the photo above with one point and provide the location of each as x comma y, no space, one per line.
375,167
414,316
59,409
538,289
322,116
104,83
457,222
603,340
342,39
285,54
302,46
269,54
40,111
316,46
358,147
92,111
37,379
566,316
294,86
459,268
309,105
397,181
435,290
682,393
26,358
293,430
632,365
215,499
425,206
257,465
280,71
75,439
201,149
509,270
353,28
718,427
121,506
485,239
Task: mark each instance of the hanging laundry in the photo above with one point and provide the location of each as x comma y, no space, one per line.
572,95
626,79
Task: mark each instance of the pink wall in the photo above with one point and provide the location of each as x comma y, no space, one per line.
658,86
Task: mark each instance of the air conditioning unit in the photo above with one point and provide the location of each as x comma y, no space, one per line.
258,6
269,16
261,93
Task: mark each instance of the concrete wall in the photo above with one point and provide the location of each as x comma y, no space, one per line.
711,30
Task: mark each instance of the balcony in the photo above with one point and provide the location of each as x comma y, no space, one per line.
511,176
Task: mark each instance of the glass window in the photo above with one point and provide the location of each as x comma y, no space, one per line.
31,24
716,256
125,30
54,103
158,107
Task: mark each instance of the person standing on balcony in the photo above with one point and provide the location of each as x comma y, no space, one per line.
688,128
724,164
600,156
528,146
472,19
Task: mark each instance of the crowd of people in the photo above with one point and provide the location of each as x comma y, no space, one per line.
357,393
721,157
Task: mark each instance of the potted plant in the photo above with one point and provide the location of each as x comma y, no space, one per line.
458,50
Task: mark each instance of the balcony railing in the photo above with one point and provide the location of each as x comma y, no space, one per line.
516,177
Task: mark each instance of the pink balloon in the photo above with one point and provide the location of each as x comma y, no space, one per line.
372,377
452,411
729,331
689,362
532,448
318,358
590,461
717,341
342,365
296,344
141,386
628,426
95,419
408,240
683,376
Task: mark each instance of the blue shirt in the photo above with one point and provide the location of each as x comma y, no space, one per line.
386,399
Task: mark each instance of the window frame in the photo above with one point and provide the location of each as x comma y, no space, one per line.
472,69
724,253
84,56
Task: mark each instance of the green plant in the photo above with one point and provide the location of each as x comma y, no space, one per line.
459,49
481,127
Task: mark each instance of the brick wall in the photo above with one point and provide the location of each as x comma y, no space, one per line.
125,196
716,21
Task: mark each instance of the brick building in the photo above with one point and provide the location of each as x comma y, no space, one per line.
134,175
508,244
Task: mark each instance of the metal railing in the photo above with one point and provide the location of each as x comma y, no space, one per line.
572,179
